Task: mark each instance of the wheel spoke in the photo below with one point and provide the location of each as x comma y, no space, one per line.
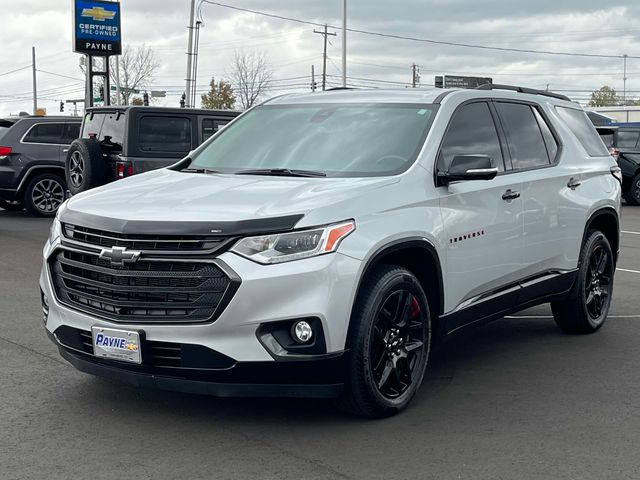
414,345
602,263
591,295
385,375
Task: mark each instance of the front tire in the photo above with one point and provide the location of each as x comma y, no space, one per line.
632,195
389,341
587,309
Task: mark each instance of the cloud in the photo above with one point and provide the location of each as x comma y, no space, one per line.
572,26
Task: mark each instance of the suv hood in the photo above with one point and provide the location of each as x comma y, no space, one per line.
166,196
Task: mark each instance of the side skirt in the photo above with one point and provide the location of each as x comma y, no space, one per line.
543,288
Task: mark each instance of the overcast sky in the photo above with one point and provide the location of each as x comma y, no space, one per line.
579,26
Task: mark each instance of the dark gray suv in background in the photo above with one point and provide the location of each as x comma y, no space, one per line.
32,154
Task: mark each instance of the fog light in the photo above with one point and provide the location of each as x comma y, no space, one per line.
302,331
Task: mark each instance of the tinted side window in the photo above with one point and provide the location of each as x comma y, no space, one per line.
583,129
549,139
211,126
45,133
71,132
524,137
627,138
164,134
471,132
607,138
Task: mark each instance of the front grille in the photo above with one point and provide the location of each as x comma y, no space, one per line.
146,291
158,243
154,354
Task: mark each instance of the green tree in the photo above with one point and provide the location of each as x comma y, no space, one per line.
220,96
604,97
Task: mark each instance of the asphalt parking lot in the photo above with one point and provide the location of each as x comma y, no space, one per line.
513,399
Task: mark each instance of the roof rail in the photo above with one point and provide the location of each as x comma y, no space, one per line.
515,88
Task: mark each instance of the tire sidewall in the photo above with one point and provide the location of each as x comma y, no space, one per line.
393,280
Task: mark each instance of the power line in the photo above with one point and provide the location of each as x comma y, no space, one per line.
60,75
416,39
16,70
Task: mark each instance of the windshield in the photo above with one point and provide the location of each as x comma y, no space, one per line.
337,140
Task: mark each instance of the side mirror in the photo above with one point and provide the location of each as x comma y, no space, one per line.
468,167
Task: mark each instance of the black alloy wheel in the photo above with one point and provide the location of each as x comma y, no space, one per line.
397,342
598,283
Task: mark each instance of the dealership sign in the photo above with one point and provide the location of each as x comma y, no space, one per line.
96,27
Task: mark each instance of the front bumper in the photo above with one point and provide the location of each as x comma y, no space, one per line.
319,378
321,287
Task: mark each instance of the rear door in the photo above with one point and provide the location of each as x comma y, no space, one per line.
70,133
161,139
550,224
42,142
482,221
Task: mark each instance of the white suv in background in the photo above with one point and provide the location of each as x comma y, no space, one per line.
321,244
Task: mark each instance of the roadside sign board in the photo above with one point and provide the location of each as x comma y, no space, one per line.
96,27
456,81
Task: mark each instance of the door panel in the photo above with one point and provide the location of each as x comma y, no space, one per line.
484,236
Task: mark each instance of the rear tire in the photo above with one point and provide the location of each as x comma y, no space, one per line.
85,166
44,194
587,308
389,342
632,195
11,205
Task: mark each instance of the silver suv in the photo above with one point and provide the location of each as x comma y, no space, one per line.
322,244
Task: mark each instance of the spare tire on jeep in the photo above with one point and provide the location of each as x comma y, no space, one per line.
85,166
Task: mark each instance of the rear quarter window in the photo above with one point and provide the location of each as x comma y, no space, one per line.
627,138
164,134
583,129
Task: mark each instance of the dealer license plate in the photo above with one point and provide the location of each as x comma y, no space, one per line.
115,344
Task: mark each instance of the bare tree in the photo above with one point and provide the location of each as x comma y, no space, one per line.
138,67
251,77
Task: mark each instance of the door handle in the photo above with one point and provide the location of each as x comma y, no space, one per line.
65,150
573,184
510,195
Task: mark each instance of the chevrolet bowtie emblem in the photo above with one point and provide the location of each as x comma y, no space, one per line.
118,256
99,14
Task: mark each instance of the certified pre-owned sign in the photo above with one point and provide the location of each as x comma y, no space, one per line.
96,27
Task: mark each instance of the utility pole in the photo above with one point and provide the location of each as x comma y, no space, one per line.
313,78
624,81
325,34
190,51
344,43
415,76
118,98
35,88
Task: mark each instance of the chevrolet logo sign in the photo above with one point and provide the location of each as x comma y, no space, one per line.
99,14
118,256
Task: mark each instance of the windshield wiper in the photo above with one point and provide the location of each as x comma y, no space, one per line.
284,172
198,170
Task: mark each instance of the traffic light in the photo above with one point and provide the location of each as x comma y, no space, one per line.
314,85
101,96
145,99
61,106
183,100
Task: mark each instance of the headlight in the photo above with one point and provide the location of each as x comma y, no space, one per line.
285,247
55,231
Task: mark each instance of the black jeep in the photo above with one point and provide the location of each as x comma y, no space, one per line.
117,142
